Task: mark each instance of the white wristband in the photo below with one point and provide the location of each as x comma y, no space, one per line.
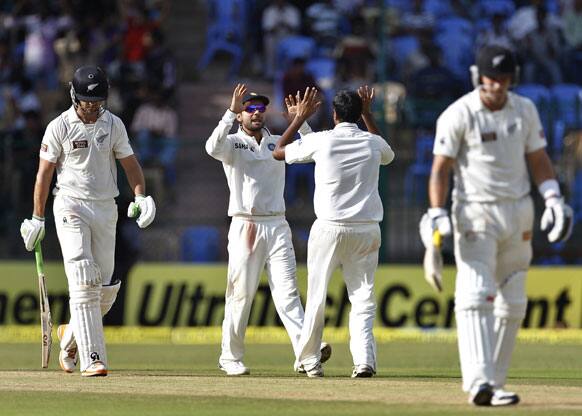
437,212
549,189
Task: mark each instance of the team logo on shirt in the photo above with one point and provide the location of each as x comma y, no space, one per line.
271,146
80,144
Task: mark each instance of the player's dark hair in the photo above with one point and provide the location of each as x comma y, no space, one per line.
347,106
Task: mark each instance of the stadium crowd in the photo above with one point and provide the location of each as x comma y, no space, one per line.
417,53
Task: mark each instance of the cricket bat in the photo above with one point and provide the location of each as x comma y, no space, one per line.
46,323
433,263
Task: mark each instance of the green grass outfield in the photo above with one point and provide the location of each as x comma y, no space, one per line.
161,371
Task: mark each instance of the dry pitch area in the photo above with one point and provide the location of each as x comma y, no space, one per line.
415,378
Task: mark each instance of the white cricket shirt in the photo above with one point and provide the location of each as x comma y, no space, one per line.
347,162
489,146
85,154
255,179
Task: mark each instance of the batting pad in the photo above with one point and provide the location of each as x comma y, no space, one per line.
85,295
475,332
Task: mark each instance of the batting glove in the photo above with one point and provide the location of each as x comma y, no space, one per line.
32,232
557,220
435,219
144,209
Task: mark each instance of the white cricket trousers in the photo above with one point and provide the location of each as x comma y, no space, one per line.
493,251
354,248
86,231
254,244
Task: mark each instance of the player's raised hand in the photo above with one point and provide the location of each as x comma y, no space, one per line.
367,95
291,104
308,105
236,105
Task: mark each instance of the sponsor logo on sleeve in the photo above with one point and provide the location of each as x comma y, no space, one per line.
43,148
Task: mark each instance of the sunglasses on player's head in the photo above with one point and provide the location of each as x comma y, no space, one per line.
261,108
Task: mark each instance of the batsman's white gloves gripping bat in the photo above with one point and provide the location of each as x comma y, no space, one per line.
144,208
434,225
557,220
558,217
32,231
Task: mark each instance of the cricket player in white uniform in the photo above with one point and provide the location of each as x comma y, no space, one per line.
259,236
82,144
489,138
346,232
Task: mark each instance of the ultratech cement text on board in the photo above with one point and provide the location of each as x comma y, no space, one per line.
190,304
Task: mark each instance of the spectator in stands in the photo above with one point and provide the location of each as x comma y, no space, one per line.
280,19
524,20
355,55
542,51
497,34
572,19
296,78
323,23
155,125
434,81
418,21
159,62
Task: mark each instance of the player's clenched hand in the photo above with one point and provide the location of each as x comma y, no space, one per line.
236,105
557,220
308,105
32,232
144,209
367,95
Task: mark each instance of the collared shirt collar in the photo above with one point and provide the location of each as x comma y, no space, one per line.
345,125
477,105
74,117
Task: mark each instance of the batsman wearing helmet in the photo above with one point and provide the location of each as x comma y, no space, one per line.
259,236
82,144
489,138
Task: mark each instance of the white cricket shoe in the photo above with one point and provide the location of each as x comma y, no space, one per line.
363,371
234,368
67,358
96,369
314,371
481,395
504,398
325,350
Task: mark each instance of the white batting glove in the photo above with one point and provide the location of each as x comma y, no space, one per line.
144,209
32,232
557,219
434,219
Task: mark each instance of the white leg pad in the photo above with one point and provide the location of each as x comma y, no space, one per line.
475,337
108,296
474,295
85,294
510,308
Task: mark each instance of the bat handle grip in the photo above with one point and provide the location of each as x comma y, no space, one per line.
436,239
38,256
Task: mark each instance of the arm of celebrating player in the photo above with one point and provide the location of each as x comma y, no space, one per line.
143,207
557,219
216,143
306,107
32,230
367,95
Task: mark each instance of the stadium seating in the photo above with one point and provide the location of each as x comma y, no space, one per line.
294,174
415,181
490,7
567,108
225,33
291,47
200,244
